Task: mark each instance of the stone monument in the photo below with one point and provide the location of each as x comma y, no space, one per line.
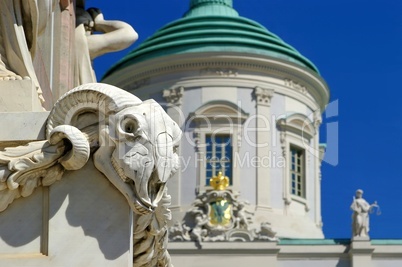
83,171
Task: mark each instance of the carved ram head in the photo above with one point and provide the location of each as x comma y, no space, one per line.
133,144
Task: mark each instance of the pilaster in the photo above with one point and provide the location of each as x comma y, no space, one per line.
174,97
263,98
317,166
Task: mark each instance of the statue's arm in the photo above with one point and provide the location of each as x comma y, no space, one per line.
117,35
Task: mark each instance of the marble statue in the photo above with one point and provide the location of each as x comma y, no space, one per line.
114,36
21,23
243,216
360,217
132,142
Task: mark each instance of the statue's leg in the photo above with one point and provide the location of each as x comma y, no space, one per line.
359,225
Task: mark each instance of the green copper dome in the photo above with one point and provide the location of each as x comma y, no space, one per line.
212,26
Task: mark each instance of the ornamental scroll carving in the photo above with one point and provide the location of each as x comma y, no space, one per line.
224,72
218,215
295,85
132,142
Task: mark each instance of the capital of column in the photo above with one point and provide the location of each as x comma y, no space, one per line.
317,119
174,96
263,96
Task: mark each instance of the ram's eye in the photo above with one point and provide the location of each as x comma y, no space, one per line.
129,125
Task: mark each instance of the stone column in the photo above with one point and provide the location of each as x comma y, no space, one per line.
263,140
173,99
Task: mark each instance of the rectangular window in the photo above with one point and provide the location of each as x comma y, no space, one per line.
218,156
297,172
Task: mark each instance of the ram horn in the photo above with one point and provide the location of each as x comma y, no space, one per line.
79,154
102,99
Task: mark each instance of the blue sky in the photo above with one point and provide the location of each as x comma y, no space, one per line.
357,47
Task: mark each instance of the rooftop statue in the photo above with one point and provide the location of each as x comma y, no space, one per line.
133,144
360,217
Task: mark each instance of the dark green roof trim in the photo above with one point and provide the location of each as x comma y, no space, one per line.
319,242
314,242
386,242
214,22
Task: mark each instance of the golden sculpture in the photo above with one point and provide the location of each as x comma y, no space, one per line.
219,182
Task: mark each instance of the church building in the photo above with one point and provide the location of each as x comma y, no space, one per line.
249,106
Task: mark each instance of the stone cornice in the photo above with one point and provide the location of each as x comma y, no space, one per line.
294,77
295,251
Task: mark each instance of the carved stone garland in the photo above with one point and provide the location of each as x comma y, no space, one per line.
122,133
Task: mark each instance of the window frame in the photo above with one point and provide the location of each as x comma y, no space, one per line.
217,118
302,173
229,173
296,130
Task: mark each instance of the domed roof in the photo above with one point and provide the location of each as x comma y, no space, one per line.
213,26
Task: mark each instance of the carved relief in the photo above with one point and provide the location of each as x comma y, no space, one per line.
295,85
283,142
317,119
219,215
133,144
174,96
225,72
197,140
239,138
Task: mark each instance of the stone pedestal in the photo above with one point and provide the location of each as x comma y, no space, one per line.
17,126
19,95
81,220
360,252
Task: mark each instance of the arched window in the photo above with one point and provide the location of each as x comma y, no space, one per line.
296,133
218,129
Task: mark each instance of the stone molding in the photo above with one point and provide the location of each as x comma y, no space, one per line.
360,253
314,85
